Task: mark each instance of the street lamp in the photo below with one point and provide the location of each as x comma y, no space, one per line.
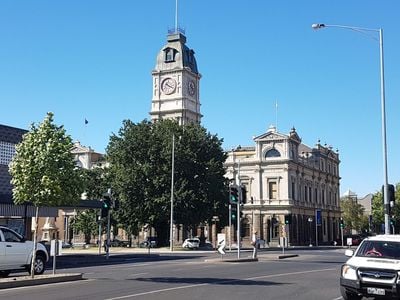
171,232
310,220
383,109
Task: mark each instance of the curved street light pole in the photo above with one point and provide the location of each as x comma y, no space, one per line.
383,110
171,222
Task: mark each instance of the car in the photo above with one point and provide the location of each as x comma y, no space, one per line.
355,240
119,243
16,253
150,242
373,269
192,243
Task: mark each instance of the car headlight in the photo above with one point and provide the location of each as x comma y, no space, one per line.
348,272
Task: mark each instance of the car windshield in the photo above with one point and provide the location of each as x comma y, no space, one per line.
383,249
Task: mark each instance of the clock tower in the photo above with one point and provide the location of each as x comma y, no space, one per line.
176,83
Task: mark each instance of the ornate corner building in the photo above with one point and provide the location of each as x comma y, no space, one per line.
284,177
176,83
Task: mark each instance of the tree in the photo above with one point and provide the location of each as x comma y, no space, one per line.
43,170
85,221
377,212
378,217
96,183
353,215
140,159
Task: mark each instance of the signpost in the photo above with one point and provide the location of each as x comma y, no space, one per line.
318,222
221,243
55,249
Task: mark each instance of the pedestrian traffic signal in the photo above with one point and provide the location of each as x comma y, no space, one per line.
233,194
288,219
341,223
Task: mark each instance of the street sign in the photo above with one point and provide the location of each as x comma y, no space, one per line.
221,243
318,217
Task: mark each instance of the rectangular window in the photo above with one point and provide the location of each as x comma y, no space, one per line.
305,194
272,190
310,193
293,190
316,195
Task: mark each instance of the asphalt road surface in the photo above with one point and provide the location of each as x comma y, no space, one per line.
314,274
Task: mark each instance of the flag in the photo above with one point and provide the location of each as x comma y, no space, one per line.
86,121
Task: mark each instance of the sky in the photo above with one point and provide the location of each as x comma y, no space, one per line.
93,59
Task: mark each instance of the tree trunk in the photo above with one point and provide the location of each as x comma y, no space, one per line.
34,242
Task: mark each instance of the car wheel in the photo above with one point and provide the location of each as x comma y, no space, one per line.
4,274
348,295
39,265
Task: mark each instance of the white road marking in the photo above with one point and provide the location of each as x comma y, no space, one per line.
222,282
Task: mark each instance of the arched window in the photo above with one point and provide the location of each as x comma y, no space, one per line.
272,153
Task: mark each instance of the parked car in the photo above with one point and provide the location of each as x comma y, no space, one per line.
150,242
16,253
119,243
355,240
192,243
373,269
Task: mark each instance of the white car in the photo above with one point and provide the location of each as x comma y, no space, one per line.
373,269
193,243
16,253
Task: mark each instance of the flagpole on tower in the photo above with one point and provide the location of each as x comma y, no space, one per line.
176,16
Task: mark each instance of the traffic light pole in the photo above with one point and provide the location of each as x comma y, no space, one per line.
238,213
230,226
108,235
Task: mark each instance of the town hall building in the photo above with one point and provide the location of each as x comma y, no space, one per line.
286,180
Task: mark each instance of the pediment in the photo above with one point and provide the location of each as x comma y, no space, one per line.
295,136
78,148
268,136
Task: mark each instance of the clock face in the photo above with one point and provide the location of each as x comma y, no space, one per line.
191,88
168,86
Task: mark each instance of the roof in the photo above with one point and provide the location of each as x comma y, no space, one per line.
183,56
385,238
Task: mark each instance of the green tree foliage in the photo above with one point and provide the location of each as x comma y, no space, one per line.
140,166
96,184
378,217
43,169
353,215
377,212
85,222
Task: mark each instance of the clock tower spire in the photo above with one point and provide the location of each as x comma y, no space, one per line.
176,82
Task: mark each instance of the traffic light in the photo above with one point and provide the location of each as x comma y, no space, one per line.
233,194
243,194
288,219
341,223
392,221
234,215
105,206
391,195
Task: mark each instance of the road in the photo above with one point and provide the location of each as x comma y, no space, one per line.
312,275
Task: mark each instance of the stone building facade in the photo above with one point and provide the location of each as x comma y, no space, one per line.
284,177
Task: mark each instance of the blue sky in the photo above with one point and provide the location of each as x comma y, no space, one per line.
93,59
